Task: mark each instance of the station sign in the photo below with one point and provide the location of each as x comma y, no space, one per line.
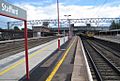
12,11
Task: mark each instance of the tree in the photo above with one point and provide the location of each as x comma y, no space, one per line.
22,28
16,28
0,28
115,25
119,25
27,28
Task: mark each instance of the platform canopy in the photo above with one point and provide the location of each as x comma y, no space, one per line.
9,10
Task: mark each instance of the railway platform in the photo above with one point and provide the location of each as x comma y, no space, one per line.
12,68
68,64
81,71
115,39
75,66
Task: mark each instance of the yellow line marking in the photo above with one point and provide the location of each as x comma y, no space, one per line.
59,64
11,67
22,61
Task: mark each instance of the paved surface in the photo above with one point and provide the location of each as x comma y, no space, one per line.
109,38
42,70
75,66
81,71
65,70
13,67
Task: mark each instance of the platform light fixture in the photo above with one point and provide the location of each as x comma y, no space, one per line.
69,34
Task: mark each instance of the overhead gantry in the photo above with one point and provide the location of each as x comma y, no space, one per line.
72,21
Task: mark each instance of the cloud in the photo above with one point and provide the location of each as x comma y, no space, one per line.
49,12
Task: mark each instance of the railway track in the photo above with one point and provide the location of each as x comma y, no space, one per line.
11,48
111,45
107,48
112,55
102,67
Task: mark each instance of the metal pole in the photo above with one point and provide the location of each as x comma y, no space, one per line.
69,29
58,25
64,35
26,50
68,25
8,24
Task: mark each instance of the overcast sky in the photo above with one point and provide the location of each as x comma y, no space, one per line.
46,9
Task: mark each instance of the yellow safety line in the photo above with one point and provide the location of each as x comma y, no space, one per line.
59,64
11,67
22,61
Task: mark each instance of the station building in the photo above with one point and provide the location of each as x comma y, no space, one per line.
40,31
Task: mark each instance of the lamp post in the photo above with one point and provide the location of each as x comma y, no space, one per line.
69,34
58,25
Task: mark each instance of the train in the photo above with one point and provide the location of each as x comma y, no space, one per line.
89,34
13,34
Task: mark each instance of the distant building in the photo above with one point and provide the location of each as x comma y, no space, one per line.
40,31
